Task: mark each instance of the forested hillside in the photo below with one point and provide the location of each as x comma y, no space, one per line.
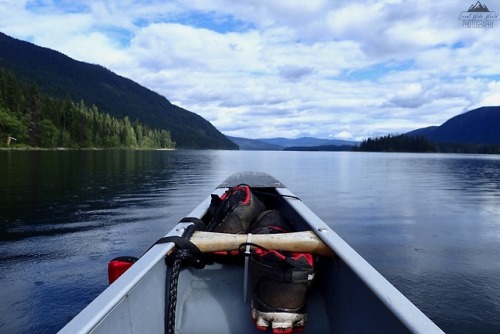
59,76
31,118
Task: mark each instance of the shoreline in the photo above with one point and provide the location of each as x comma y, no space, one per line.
82,149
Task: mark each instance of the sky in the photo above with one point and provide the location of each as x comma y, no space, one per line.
261,68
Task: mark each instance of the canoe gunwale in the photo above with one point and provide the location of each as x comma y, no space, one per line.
115,294
99,315
411,316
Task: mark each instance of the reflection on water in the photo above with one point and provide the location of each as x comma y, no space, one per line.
64,214
429,223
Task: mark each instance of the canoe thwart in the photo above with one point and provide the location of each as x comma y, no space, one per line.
300,242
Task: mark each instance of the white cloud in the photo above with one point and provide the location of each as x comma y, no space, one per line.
491,97
291,68
344,135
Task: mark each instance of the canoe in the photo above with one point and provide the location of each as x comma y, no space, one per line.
347,295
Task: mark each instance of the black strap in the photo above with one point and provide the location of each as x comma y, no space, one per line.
199,224
187,252
285,273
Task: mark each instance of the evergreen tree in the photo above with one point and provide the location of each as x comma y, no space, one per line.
36,119
400,143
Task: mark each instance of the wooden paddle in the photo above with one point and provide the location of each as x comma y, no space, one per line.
300,242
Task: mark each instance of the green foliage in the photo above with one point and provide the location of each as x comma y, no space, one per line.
10,125
400,143
38,120
404,143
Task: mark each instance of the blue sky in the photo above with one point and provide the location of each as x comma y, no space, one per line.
258,69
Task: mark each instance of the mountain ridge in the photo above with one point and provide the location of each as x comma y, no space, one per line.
247,144
474,127
307,142
60,75
280,143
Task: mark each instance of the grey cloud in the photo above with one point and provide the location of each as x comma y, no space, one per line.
294,73
251,101
405,102
427,93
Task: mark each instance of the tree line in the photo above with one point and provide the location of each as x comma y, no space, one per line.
420,144
399,143
29,118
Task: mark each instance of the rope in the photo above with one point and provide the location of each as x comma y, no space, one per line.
172,297
186,254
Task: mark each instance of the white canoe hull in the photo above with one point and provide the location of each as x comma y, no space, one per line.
349,295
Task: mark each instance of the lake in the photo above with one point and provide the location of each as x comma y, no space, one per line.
430,223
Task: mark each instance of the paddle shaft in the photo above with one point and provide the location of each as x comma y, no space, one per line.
299,242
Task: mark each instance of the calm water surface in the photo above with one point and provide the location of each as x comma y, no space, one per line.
429,223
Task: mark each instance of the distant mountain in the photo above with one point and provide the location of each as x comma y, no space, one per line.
58,75
324,148
307,141
298,144
254,144
478,126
